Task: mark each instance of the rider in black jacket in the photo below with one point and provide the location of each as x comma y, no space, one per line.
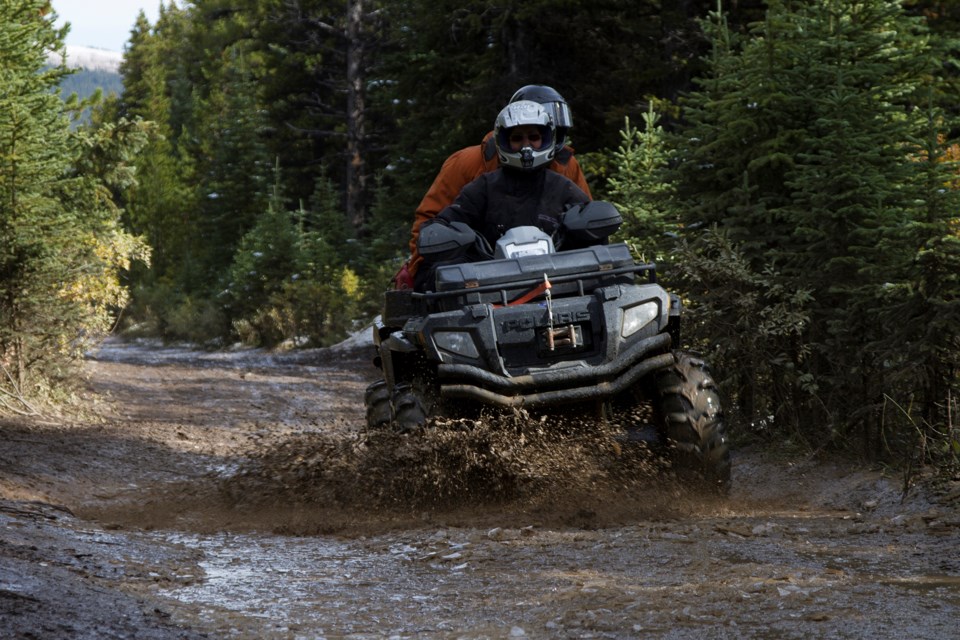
520,192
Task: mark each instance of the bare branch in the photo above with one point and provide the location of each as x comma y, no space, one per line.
16,395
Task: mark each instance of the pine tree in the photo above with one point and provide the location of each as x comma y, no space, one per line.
266,258
61,247
741,127
162,204
803,147
639,188
233,167
921,299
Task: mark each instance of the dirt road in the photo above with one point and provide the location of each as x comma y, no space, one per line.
238,496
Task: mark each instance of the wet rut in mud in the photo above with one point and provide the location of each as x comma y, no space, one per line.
238,495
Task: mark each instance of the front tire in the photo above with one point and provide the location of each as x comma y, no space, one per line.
692,421
409,408
377,401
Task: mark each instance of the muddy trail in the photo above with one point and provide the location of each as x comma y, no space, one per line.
238,495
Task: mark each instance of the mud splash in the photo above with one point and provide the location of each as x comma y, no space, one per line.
508,470
448,464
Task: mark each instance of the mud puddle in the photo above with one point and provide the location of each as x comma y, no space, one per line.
729,574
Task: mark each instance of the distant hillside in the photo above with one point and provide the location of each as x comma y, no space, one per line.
85,81
97,69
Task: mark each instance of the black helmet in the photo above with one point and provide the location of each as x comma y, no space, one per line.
555,105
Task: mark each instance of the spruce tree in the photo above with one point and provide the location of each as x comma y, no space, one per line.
161,205
233,168
921,299
61,247
639,188
803,147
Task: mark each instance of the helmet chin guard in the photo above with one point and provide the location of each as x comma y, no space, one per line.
526,157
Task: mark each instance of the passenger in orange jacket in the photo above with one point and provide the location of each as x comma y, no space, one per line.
469,163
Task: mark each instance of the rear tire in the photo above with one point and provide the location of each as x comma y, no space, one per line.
692,420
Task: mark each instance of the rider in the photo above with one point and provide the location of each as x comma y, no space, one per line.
521,191
470,162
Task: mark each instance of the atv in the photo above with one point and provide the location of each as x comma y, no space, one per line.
524,325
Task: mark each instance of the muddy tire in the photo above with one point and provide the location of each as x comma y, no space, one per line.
377,400
692,422
409,407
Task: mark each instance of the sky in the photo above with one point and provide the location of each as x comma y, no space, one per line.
103,24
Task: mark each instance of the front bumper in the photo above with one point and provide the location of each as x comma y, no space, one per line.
559,385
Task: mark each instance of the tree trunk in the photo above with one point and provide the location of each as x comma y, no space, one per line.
356,125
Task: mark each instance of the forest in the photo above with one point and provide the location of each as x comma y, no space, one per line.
790,165
86,82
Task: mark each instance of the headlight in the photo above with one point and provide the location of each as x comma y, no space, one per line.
457,342
520,249
636,318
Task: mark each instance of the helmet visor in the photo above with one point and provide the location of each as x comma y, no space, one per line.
561,115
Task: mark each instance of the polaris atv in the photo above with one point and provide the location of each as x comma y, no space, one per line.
529,326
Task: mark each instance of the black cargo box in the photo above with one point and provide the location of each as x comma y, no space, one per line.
505,271
503,281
